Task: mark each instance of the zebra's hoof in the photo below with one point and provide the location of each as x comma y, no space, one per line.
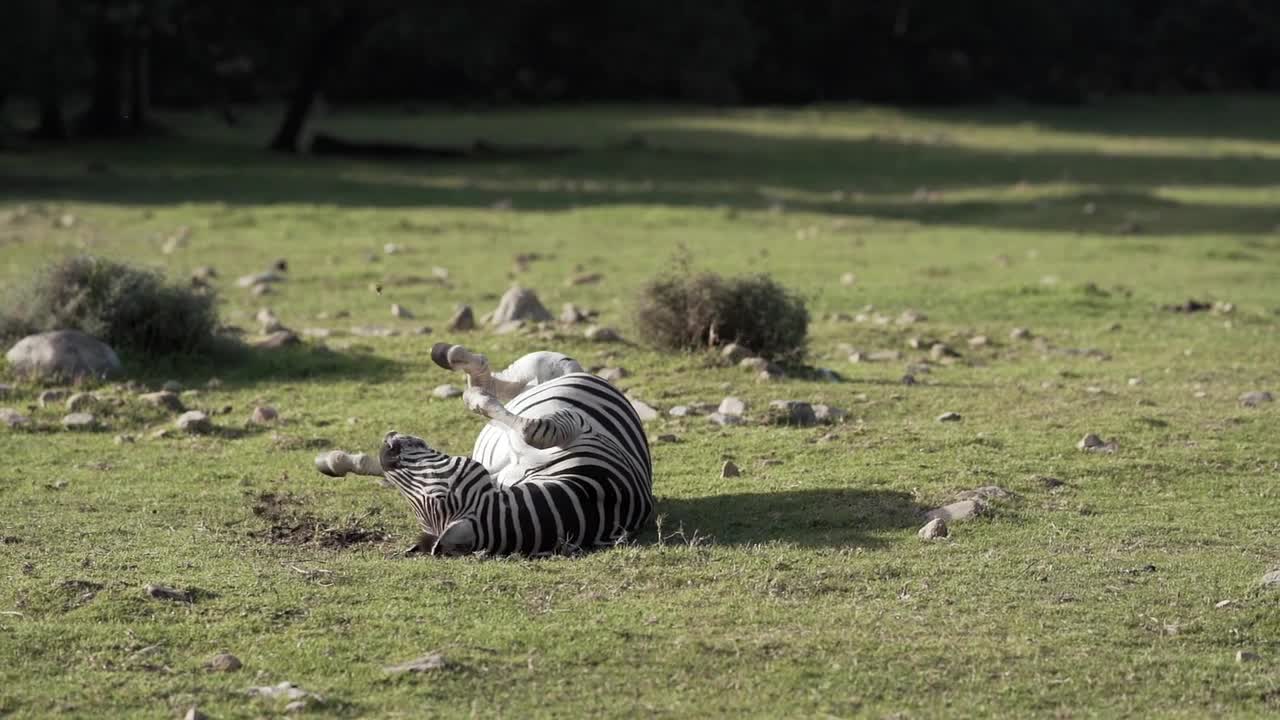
440,355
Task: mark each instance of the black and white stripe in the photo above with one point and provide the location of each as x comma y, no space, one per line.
591,491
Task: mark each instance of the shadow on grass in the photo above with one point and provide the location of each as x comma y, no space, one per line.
810,518
240,365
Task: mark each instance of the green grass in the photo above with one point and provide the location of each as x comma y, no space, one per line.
805,591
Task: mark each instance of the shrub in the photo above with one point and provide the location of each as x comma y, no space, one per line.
130,309
697,311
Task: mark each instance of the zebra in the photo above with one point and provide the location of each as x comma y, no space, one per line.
562,465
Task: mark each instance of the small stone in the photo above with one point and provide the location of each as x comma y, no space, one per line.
1255,399
729,470
910,317
679,411
585,279
392,248
827,414
439,272
962,510
724,420
876,356
193,713
1133,381
1223,604
400,311
296,706
519,304
1093,443
908,379
1050,483
80,402
194,422
373,331
165,399
268,321
949,417
646,413
571,314
668,438
264,415
1271,580
426,663
262,278
124,439
602,334
793,412
446,392
734,353
1244,656
754,364
509,327
261,289
1019,333
613,374
79,421
979,341
732,406
13,419
223,662
848,279
204,274
939,351
279,339
935,529
49,398
162,592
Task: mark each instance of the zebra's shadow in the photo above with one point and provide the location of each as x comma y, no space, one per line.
845,517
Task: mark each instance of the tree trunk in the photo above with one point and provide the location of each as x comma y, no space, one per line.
106,46
53,125
329,52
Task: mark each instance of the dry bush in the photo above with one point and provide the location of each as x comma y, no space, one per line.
130,309
696,311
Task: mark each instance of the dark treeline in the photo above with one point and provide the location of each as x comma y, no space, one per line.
127,55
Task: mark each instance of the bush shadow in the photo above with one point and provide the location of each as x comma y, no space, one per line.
241,365
853,517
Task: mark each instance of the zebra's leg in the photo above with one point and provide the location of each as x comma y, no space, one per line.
537,368
530,370
555,430
337,463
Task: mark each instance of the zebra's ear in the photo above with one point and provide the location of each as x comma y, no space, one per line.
457,539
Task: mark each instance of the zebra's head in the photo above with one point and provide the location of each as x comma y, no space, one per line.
444,491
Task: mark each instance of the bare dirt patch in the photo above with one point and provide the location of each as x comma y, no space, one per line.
289,523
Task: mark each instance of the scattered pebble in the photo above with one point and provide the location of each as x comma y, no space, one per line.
935,529
908,379
80,402
13,419
585,279
51,397
285,689
730,470
194,422
602,334
646,413
446,392
848,279
827,414
1019,333
911,317
124,439
962,510
1134,381
426,663
223,662
722,420
792,412
392,248
1255,398
613,374
79,421
732,407
1244,656
941,351
679,411
978,341
668,438
571,314
400,311
264,415
165,399
1093,443
949,417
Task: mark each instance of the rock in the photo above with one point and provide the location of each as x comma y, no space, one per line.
124,439
262,278
223,662
162,592
439,272
285,689
278,339
13,419
1050,483
463,320
5,390
261,289
1244,656
911,317
908,379
734,353
939,351
268,321
400,311
296,706
827,414
729,470
723,420
204,275
1019,333
507,328
519,304
668,438
876,356
164,399
979,341
1093,443
613,374
646,413
445,392
679,411
1271,580
194,422
79,421
264,415
732,406
193,713
956,511
373,331
320,333
81,401
949,417
754,364
848,279
585,279
1255,399
793,412
392,248
426,663
935,529
49,398
65,355
602,334
571,314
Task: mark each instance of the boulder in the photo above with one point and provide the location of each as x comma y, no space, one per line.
194,422
519,304
63,355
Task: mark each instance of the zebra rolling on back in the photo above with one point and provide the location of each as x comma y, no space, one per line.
562,465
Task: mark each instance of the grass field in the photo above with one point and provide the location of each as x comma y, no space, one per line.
797,590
